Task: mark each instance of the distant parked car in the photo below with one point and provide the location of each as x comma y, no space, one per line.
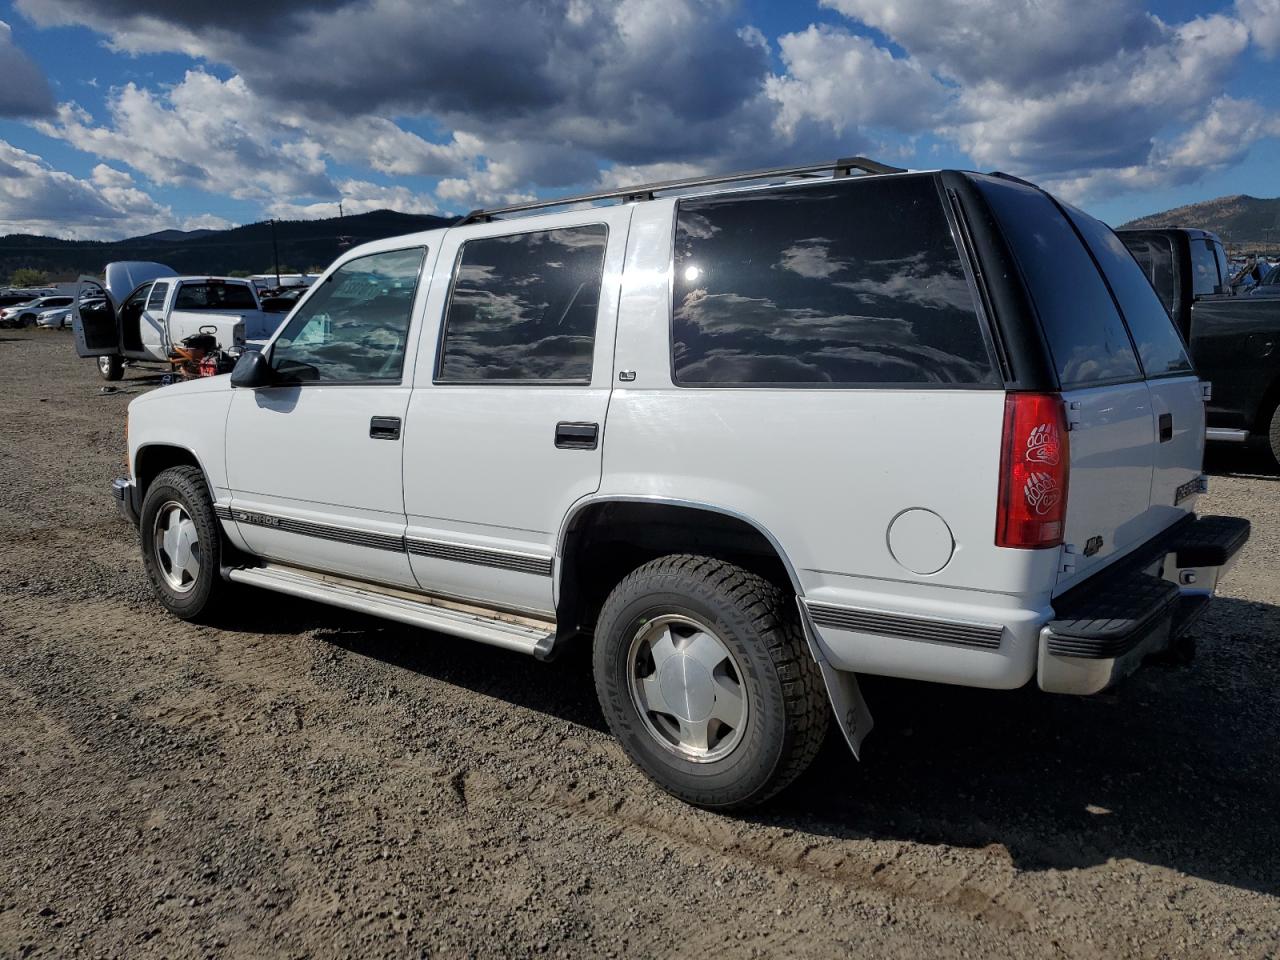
1269,285
57,318
24,314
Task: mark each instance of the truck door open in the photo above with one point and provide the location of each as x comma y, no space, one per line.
93,321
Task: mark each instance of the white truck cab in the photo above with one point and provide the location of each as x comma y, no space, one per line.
753,440
145,311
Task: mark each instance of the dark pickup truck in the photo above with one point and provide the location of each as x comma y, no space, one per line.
1234,340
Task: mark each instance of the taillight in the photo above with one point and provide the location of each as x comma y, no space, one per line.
1034,467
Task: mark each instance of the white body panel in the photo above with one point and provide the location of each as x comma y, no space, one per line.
481,465
879,501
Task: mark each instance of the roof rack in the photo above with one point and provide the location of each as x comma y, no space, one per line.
843,167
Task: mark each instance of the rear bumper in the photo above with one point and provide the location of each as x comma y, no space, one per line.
1104,627
125,493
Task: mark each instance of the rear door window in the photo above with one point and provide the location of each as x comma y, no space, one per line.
215,296
1160,348
523,307
846,284
1204,268
1086,337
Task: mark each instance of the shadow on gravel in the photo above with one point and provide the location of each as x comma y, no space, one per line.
1228,460
1176,767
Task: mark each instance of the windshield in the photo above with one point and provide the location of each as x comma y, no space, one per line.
214,296
1273,275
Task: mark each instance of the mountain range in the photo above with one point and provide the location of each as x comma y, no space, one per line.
302,245
1240,220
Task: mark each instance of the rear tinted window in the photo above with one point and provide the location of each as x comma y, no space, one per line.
1154,254
1159,347
843,284
523,307
215,296
1086,337
1204,268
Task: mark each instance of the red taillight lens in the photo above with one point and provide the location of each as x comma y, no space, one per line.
1034,467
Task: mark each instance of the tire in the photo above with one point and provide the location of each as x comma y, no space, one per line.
1273,436
111,368
178,498
779,731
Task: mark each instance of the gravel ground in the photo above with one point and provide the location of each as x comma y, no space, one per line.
306,782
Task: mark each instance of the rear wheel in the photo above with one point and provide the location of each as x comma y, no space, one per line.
1273,435
704,677
111,368
182,543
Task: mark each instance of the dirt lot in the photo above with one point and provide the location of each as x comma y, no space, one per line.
307,782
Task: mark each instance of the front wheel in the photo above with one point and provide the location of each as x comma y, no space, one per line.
111,368
182,543
1273,435
704,677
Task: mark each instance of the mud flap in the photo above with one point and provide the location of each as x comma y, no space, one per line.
850,709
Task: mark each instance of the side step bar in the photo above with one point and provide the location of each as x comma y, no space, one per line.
512,632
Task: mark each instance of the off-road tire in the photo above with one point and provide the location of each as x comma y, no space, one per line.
1273,436
788,711
110,368
186,485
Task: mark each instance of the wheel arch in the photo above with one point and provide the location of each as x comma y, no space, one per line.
605,537
152,459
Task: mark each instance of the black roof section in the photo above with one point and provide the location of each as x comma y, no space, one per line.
843,167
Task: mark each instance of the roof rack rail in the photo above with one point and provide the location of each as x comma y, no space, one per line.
843,167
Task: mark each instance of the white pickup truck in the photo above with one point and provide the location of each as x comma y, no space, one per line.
144,311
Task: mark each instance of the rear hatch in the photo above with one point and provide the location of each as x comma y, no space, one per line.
1084,285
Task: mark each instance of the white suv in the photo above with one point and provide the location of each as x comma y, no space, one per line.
754,439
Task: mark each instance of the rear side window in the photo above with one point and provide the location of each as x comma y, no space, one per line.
849,284
1086,337
1159,347
1204,268
215,296
158,292
1154,254
523,307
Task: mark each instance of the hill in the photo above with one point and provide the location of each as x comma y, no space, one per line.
1239,219
302,244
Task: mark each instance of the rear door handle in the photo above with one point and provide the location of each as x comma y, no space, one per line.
384,428
577,436
1166,427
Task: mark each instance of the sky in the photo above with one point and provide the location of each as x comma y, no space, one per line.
122,117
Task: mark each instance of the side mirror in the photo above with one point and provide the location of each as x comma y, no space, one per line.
252,370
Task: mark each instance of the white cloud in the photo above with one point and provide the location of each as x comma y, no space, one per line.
36,198
1219,139
1262,17
847,82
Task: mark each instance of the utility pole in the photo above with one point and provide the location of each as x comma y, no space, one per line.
275,250
340,214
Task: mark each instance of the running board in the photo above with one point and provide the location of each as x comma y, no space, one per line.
509,631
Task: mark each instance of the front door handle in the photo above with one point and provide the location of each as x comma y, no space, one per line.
384,428
1166,427
577,436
